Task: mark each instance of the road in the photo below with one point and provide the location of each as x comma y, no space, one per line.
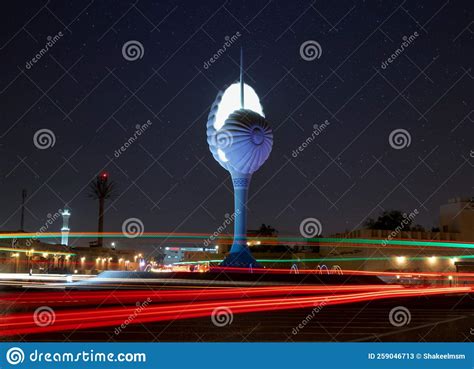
430,318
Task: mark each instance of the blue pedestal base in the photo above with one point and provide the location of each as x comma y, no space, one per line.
242,259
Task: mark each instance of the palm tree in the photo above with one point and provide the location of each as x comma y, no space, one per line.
101,189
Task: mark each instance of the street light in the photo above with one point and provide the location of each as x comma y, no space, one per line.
401,259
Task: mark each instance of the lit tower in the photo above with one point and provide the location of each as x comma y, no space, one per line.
65,228
240,139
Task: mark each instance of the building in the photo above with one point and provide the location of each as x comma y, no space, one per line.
456,224
25,255
22,255
457,217
177,254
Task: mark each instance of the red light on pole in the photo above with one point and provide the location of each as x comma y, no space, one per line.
104,176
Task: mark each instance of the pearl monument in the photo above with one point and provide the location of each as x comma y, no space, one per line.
240,139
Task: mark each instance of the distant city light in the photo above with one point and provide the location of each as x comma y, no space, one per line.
401,259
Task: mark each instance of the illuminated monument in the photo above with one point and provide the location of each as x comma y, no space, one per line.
240,139
65,228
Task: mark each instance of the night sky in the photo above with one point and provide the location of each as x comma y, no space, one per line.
92,99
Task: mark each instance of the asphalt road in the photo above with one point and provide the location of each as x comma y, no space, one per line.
432,319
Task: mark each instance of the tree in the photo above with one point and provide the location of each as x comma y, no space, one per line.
101,189
389,220
266,231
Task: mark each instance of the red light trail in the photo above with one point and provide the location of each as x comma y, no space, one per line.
76,298
23,323
344,271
